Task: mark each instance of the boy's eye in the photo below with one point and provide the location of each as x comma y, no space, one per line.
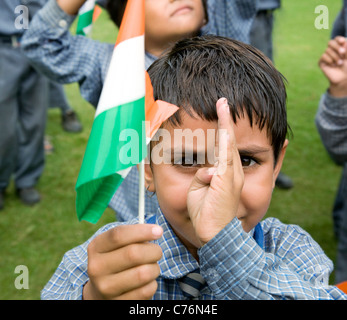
247,161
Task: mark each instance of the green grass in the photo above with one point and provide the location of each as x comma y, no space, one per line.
298,48
39,236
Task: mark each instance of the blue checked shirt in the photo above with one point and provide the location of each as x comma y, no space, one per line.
331,121
282,262
66,59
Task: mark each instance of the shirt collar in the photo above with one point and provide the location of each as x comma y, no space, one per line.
176,261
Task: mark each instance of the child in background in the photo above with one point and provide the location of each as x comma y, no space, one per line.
331,121
66,58
208,226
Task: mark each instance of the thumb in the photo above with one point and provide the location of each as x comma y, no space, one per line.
202,178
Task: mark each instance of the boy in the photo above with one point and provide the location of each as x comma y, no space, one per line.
67,58
207,228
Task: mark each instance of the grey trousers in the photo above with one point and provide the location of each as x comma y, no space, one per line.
57,97
261,32
23,106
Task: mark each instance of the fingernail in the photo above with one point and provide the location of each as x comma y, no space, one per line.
157,231
221,102
225,103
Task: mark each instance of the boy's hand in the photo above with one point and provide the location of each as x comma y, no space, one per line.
122,264
333,63
215,192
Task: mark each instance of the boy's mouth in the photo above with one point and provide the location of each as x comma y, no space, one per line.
182,10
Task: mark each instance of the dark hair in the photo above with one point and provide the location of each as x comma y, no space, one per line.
116,8
196,72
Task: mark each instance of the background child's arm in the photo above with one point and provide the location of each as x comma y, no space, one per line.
65,58
331,117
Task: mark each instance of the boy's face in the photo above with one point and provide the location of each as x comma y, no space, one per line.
171,181
170,20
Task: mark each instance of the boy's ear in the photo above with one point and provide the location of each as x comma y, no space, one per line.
149,178
279,162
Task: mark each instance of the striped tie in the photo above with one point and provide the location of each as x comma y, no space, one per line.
191,284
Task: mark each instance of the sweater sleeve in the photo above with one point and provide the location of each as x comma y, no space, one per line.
331,122
65,58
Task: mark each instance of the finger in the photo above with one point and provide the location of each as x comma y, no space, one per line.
341,40
232,159
137,277
202,178
120,284
326,60
124,235
124,258
224,125
339,46
144,293
334,55
224,118
228,153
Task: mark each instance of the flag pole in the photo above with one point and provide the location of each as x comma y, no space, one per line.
142,192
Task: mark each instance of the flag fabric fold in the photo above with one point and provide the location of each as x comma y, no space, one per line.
88,14
117,140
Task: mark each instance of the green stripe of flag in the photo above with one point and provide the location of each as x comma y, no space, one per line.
117,141
84,20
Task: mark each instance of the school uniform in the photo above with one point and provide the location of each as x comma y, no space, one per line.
331,121
273,261
23,100
261,31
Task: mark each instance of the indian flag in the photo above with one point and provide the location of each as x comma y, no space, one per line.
118,137
88,13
